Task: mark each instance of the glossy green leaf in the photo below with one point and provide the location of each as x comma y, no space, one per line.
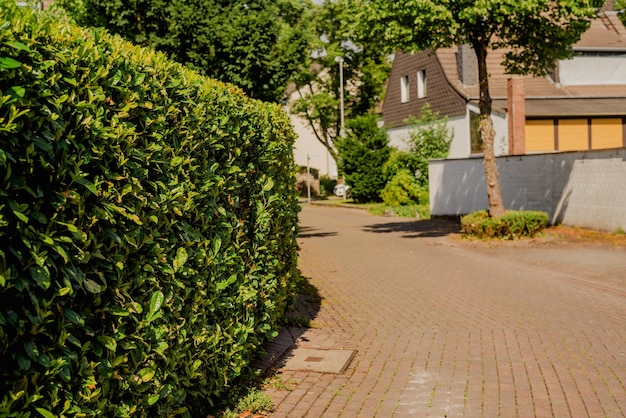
73,317
9,63
70,227
91,286
223,285
41,275
268,185
18,45
116,310
31,350
155,304
180,259
146,374
16,92
21,216
108,342
45,413
24,363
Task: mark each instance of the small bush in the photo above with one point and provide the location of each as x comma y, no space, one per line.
403,189
512,225
327,185
256,402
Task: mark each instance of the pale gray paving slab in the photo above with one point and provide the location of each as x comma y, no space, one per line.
317,360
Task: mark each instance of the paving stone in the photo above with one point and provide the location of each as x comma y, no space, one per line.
445,328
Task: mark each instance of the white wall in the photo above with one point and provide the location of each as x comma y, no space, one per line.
460,147
307,143
586,189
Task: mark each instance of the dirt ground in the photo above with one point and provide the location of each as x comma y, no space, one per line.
559,236
573,235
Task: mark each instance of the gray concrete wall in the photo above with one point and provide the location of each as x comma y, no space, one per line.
586,189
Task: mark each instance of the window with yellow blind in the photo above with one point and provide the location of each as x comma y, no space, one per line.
607,133
539,135
573,135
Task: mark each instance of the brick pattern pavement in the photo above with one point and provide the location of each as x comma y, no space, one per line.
442,330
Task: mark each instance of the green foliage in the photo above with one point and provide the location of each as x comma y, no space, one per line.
512,225
403,189
398,160
520,28
429,138
405,211
620,6
407,171
363,153
534,34
327,185
365,66
255,402
258,45
147,226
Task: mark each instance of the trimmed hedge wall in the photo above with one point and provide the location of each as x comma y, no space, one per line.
513,225
147,226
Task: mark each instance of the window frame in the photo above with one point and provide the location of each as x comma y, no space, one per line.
421,84
404,88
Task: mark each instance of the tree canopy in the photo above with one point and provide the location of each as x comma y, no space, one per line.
256,44
533,33
365,69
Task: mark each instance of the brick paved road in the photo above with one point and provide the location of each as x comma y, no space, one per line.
445,329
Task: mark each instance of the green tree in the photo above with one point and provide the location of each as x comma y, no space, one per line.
429,137
258,45
363,153
365,66
534,34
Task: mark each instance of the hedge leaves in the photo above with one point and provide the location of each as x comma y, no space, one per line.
147,226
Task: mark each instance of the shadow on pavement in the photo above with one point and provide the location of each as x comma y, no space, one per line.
302,309
310,232
427,228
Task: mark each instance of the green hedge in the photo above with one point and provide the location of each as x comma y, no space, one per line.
147,226
512,225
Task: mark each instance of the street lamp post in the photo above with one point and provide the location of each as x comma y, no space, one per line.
341,111
308,175
339,60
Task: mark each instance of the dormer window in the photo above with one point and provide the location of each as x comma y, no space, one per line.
404,89
421,84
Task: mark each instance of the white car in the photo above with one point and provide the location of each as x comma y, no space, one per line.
340,189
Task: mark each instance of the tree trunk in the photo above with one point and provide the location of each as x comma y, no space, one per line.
487,134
